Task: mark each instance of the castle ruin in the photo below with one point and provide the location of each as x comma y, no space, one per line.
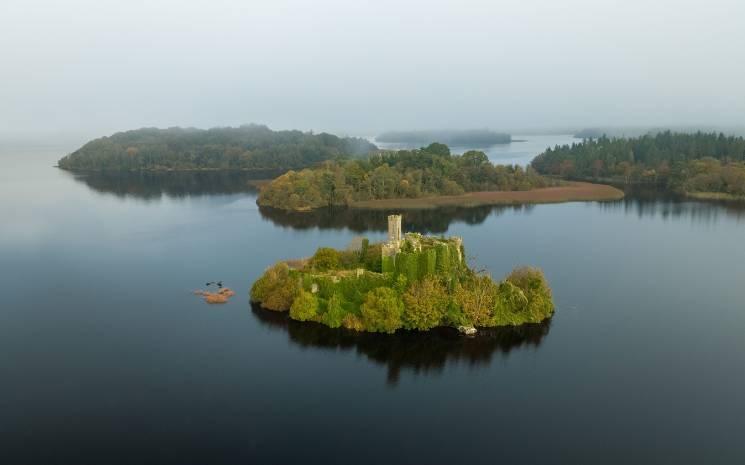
415,243
395,237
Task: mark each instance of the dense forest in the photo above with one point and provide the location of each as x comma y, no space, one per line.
425,285
685,163
453,138
428,171
249,147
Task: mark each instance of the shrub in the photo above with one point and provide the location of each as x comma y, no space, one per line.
509,305
352,321
475,298
305,307
276,289
325,259
334,312
373,258
364,248
349,258
454,316
382,310
425,304
537,292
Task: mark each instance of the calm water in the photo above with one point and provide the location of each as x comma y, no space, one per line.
106,356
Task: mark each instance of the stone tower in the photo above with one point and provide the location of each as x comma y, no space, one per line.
395,237
394,229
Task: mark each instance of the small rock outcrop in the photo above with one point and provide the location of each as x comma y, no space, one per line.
219,297
467,330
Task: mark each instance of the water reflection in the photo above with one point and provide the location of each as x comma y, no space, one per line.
428,221
645,202
639,201
177,184
422,353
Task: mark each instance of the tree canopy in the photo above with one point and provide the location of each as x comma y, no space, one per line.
249,147
420,288
699,162
428,171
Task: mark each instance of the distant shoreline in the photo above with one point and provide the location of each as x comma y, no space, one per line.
569,192
453,138
715,196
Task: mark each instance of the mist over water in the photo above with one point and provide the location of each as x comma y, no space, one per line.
520,151
369,67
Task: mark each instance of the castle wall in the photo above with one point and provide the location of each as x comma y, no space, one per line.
394,229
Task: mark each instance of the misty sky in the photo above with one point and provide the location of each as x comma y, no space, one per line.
95,67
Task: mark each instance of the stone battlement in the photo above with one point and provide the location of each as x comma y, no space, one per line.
395,237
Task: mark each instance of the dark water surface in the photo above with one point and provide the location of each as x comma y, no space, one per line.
107,357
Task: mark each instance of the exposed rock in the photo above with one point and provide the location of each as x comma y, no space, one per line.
467,330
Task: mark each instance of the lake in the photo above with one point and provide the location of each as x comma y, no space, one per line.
520,151
106,356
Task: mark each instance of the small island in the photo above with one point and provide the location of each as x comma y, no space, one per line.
428,177
250,147
411,282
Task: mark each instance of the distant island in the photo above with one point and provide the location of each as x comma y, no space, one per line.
453,138
420,178
700,165
250,147
411,281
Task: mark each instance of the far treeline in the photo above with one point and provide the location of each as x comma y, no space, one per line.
429,171
249,147
700,164
453,138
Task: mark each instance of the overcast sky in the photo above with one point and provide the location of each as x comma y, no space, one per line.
345,66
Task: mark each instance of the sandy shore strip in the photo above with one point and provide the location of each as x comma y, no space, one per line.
569,192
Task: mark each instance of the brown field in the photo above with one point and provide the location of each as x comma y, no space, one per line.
568,192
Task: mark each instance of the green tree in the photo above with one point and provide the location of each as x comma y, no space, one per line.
382,310
334,315
437,149
276,289
537,292
325,259
305,307
476,299
425,304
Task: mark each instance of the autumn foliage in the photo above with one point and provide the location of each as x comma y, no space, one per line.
417,292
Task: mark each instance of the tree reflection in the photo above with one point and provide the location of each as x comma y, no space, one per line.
152,186
646,202
420,352
149,185
427,221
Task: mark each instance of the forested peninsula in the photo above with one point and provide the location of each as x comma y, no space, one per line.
248,147
411,281
702,165
453,138
422,178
